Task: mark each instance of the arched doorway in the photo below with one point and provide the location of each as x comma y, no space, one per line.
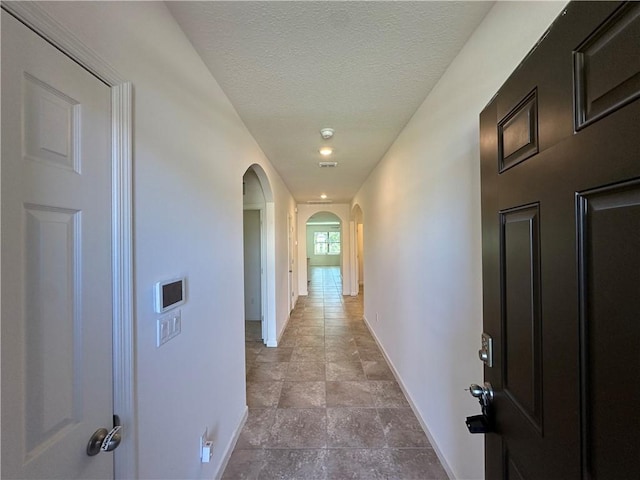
324,240
341,214
259,256
324,249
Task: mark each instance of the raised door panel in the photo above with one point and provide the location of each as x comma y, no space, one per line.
609,265
52,325
521,316
607,67
51,123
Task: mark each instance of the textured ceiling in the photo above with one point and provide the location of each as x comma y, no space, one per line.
361,68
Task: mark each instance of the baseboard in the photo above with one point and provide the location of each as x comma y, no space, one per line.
232,444
286,323
434,444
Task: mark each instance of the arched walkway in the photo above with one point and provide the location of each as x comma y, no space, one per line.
305,213
259,253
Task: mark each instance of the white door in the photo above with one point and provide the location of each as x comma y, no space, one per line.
56,261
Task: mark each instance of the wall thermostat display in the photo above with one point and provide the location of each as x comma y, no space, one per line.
169,294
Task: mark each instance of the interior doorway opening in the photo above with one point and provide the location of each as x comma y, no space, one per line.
253,238
324,241
259,257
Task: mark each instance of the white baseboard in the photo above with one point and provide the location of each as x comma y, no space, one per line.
286,323
232,444
433,442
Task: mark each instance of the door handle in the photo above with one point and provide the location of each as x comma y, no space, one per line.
104,440
483,393
483,423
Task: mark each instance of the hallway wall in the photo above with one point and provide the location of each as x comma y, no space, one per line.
424,299
190,152
252,266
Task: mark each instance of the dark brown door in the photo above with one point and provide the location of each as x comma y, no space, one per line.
560,148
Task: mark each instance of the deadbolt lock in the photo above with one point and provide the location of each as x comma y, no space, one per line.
486,352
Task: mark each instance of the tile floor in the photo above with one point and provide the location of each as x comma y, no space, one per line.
324,404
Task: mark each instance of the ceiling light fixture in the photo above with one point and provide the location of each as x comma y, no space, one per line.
326,151
323,196
327,133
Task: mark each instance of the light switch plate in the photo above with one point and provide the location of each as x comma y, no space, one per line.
168,327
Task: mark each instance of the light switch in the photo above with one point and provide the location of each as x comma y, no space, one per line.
164,327
176,324
168,327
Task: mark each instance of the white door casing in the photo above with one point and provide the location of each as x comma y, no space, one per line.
56,297
290,263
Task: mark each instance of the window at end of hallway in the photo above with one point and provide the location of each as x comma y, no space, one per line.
326,243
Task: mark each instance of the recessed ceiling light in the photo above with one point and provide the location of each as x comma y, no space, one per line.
326,151
323,196
326,133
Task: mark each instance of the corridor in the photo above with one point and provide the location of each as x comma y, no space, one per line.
324,404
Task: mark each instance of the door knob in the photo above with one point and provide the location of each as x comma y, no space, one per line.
483,393
483,423
104,440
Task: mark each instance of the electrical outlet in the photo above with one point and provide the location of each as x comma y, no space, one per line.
206,447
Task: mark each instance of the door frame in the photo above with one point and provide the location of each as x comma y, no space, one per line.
353,247
290,257
37,19
263,277
305,212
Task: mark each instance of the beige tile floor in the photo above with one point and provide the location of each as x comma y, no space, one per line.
324,404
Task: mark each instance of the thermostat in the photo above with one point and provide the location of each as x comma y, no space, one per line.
169,294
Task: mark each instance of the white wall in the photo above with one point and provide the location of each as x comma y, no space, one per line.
252,265
190,153
422,244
